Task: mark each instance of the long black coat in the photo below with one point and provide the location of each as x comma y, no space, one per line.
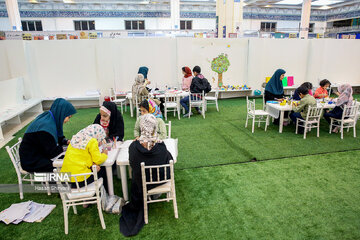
132,219
116,126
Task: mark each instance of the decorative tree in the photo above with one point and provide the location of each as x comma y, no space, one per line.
220,65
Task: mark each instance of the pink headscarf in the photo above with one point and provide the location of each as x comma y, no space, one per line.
345,97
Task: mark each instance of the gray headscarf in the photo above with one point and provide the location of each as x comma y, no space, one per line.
148,131
138,87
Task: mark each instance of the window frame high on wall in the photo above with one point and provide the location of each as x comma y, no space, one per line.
89,24
271,28
134,23
36,25
186,24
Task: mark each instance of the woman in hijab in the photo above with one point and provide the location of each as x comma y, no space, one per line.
111,120
186,81
139,88
83,152
274,88
44,138
149,106
345,99
144,71
149,149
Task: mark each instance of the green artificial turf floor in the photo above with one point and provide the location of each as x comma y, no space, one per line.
297,189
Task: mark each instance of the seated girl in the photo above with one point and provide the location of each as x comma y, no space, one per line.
44,138
186,81
83,152
322,92
151,150
345,99
307,85
149,106
111,120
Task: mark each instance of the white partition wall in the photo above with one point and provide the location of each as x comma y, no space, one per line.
267,55
11,93
201,52
12,59
336,60
71,67
62,68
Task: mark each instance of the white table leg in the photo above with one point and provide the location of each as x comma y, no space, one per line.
1,134
124,182
281,121
131,108
109,177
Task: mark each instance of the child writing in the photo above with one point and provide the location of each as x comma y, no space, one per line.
83,152
301,110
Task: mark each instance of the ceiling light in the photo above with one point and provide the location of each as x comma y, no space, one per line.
324,7
325,2
290,2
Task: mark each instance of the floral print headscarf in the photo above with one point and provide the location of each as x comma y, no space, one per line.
82,138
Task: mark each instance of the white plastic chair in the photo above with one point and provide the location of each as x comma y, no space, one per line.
160,174
213,100
197,100
89,194
312,120
169,129
21,173
257,116
138,100
116,100
172,104
348,119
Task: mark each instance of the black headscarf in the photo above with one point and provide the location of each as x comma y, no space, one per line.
116,125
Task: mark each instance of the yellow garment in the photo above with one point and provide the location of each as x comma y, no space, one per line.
78,161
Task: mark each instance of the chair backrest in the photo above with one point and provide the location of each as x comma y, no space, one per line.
157,174
314,113
196,97
169,129
171,98
112,93
15,157
78,189
250,105
350,111
139,99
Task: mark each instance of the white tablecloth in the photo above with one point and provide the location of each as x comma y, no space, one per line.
274,109
123,157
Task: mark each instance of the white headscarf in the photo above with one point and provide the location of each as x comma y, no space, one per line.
82,138
148,131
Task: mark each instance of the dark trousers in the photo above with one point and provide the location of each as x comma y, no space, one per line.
100,174
185,102
294,116
337,113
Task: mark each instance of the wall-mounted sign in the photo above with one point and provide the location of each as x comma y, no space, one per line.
26,36
61,36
